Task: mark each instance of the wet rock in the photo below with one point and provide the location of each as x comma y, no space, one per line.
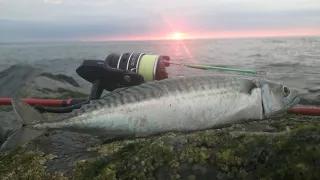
62,78
25,81
212,154
66,147
16,77
282,148
22,164
258,127
264,150
9,123
45,87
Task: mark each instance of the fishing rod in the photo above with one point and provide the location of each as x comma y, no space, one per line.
205,67
59,106
120,71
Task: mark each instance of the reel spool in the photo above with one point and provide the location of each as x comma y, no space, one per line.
151,67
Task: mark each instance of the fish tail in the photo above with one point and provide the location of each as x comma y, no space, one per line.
28,116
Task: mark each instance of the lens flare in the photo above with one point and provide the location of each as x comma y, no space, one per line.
177,36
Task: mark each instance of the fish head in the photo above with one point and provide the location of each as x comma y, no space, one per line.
277,98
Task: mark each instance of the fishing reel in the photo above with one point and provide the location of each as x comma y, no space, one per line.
123,70
115,72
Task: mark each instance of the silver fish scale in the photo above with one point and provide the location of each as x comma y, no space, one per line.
167,87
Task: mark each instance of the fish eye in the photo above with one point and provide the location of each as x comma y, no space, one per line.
285,90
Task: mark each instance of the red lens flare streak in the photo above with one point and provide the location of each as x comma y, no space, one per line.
179,37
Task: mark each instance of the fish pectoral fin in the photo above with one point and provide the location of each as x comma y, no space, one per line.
20,137
248,86
27,114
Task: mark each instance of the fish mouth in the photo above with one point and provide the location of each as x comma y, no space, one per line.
279,113
294,102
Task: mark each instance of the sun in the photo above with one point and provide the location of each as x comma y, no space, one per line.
177,36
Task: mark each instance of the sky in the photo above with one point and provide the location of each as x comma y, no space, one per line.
103,20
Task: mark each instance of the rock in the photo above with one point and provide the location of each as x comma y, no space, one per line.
66,147
284,148
45,87
9,123
16,77
25,81
22,164
62,78
211,154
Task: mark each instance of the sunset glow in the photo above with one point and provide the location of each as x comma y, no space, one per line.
211,35
177,36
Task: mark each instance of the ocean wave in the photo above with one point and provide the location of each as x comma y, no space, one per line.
309,101
277,41
285,64
314,90
256,55
308,56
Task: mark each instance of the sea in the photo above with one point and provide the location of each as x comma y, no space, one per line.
293,61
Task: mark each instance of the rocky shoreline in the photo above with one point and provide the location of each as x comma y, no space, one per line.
283,148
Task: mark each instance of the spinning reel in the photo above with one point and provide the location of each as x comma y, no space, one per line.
116,71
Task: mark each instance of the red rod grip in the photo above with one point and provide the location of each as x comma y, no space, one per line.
59,103
33,102
305,111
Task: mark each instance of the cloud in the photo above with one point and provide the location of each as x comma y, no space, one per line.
76,19
53,1
70,9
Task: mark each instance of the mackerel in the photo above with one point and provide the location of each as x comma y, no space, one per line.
184,104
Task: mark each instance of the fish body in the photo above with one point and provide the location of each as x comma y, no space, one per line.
183,104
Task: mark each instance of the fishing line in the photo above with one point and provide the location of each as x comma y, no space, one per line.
204,67
293,73
308,74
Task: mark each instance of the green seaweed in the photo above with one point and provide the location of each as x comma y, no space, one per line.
46,90
23,93
215,154
5,108
20,164
211,154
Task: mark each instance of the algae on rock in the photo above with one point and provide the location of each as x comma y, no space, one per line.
212,154
19,164
47,85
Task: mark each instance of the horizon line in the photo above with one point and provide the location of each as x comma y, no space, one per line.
157,39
